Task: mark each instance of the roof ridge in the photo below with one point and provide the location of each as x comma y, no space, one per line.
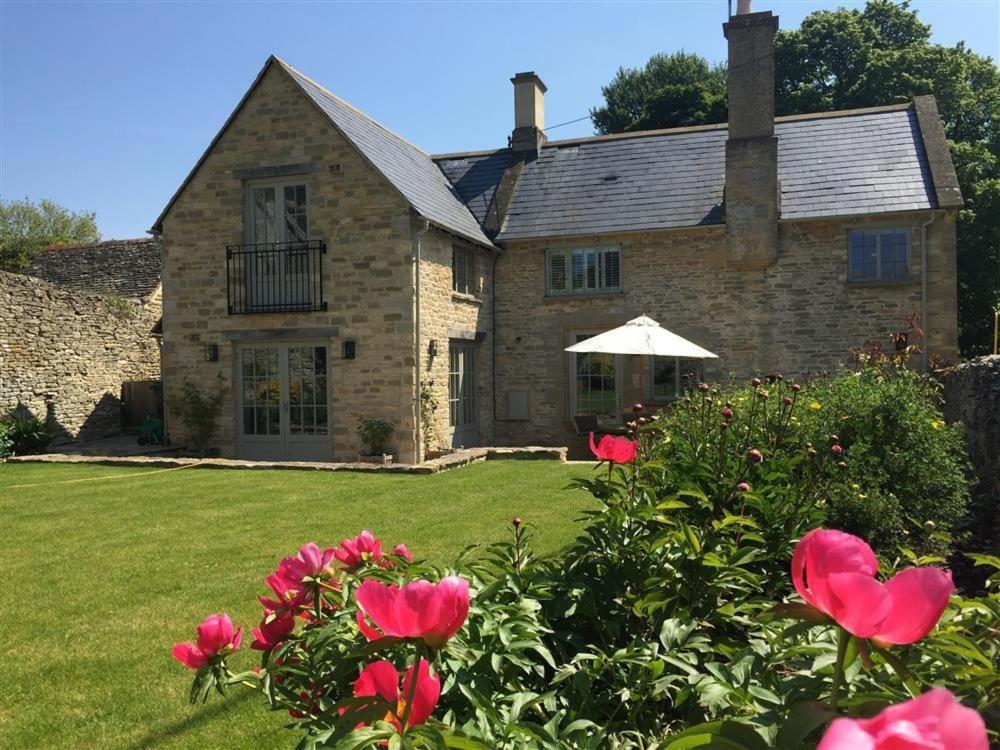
684,129
725,125
350,106
55,246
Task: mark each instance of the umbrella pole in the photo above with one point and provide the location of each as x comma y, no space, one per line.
642,376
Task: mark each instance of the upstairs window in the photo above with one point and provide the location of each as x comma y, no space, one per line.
583,270
276,213
463,270
879,255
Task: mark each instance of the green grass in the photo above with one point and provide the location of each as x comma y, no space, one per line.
100,577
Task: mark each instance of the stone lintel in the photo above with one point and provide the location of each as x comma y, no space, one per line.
282,334
278,170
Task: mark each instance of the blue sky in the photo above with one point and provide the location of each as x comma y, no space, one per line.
106,106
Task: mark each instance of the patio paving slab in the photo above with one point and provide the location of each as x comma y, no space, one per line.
451,461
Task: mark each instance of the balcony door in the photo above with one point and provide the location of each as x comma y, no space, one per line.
462,394
277,229
284,396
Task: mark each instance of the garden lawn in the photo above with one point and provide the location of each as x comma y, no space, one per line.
100,577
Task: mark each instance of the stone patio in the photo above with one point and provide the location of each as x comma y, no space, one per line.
451,461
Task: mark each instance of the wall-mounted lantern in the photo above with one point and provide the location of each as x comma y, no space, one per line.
349,349
432,348
211,352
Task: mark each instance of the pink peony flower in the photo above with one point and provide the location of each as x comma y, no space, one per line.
419,609
273,629
216,640
310,562
363,548
617,450
403,551
381,678
290,594
835,573
934,721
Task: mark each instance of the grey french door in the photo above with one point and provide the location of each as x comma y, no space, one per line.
462,394
284,397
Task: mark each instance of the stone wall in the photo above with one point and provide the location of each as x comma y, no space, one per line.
64,355
447,316
797,315
367,271
972,397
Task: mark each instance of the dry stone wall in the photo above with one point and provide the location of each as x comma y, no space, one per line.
64,355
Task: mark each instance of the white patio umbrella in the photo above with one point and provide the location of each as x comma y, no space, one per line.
645,337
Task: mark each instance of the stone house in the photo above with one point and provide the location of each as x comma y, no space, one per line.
79,338
323,270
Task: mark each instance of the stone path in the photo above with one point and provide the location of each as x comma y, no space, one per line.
451,461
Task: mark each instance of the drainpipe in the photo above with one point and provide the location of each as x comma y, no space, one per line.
417,235
923,290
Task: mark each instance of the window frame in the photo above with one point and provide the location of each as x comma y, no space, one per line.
568,252
249,230
470,270
878,230
650,373
574,408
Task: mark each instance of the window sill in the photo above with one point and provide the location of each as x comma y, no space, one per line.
469,298
583,296
885,282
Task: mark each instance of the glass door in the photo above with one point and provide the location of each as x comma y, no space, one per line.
594,386
284,397
462,394
277,227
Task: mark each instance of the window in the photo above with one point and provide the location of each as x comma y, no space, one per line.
464,278
583,270
879,255
276,213
595,384
663,378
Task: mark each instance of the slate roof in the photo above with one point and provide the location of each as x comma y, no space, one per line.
410,169
126,268
477,177
834,164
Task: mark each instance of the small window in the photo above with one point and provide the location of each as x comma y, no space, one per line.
879,255
663,378
583,270
464,277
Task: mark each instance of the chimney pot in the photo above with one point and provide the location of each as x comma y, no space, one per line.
743,7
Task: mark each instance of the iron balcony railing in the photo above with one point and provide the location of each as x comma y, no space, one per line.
275,277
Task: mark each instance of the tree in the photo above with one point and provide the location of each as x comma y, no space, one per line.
26,227
882,54
670,91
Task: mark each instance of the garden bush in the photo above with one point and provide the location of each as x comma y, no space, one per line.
23,436
700,607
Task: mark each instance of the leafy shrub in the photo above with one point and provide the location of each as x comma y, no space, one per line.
910,462
23,437
668,624
374,434
200,412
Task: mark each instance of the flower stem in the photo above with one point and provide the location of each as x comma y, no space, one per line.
407,709
838,668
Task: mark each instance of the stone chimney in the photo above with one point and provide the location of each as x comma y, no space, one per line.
752,193
529,112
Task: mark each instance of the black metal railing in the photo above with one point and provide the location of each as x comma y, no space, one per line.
275,277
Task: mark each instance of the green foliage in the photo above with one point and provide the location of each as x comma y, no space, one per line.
670,91
849,58
200,412
26,227
119,306
374,434
907,477
23,437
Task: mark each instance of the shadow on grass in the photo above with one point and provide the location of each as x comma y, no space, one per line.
206,714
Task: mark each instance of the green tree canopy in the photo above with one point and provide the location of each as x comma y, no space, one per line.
670,91
848,58
26,227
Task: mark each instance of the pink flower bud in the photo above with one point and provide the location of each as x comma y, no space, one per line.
755,455
517,522
837,449
796,387
743,487
786,401
702,387
755,382
727,413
